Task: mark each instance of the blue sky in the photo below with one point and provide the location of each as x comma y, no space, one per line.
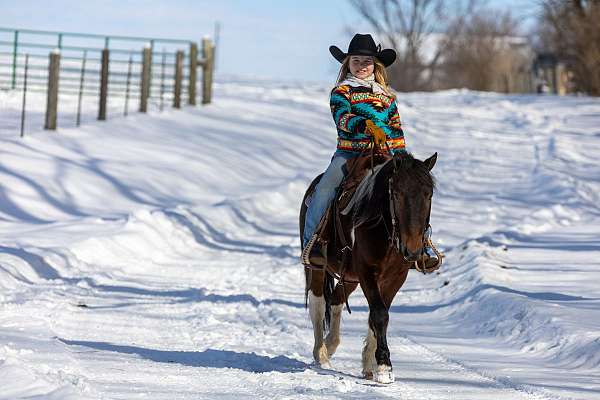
268,38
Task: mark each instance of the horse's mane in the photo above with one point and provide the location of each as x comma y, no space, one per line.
371,196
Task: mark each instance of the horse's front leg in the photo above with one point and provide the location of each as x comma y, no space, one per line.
378,322
316,307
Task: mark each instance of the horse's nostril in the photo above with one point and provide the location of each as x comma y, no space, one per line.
410,256
406,253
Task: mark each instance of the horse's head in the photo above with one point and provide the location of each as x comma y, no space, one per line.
411,191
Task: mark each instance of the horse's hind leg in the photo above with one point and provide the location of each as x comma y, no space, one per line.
316,306
332,340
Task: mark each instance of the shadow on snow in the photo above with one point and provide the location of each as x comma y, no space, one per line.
249,362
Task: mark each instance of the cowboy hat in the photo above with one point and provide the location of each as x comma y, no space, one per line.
364,45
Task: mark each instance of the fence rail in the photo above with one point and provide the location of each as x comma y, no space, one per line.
141,69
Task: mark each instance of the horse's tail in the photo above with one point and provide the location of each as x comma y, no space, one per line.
329,287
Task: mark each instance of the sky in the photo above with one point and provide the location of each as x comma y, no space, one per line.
279,39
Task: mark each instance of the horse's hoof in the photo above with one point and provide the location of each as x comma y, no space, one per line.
384,374
331,346
368,375
321,358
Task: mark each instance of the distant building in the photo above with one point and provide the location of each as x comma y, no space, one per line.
552,74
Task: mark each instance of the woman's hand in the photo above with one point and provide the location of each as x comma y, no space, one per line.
376,132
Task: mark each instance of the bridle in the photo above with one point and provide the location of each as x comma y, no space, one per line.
394,237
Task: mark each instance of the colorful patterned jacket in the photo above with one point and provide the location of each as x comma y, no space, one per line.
351,106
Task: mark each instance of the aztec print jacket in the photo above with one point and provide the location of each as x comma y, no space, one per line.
351,106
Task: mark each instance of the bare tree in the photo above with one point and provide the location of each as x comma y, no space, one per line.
481,51
450,43
571,30
408,27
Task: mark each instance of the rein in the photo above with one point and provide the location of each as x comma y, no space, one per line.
394,238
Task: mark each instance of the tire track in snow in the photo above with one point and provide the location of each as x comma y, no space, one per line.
412,347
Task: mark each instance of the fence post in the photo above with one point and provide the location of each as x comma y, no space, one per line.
81,83
52,96
14,63
207,69
145,86
103,86
24,95
127,85
151,62
193,72
162,79
178,78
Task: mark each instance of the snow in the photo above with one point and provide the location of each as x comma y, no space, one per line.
156,256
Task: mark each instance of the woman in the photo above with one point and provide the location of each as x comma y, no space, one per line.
364,111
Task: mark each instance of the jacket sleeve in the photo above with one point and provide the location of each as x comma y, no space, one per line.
393,128
341,112
394,121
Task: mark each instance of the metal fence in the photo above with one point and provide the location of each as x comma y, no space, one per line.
81,68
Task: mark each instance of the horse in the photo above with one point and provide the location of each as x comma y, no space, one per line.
386,219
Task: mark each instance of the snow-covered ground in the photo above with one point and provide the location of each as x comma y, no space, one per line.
156,256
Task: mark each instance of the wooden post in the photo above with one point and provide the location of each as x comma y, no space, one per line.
145,86
178,78
103,86
192,74
151,62
81,83
127,85
14,60
162,79
24,95
207,69
52,96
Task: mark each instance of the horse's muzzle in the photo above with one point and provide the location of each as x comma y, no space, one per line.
409,255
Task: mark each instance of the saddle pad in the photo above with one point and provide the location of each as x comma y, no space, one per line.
364,189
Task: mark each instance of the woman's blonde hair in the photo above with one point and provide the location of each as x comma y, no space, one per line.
379,72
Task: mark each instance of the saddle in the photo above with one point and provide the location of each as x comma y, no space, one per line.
330,230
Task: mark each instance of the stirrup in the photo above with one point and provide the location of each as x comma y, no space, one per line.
420,264
305,257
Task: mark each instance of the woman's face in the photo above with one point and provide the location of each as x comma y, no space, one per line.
361,66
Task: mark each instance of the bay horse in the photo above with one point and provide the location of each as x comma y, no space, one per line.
389,214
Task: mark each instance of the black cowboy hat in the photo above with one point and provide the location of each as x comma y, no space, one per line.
364,45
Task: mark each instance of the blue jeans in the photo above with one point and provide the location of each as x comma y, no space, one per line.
325,193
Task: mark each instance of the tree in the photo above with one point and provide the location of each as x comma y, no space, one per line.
481,51
571,30
418,31
404,25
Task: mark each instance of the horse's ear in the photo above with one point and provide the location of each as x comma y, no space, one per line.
430,162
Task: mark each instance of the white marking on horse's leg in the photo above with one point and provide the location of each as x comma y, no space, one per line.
316,307
332,341
352,236
384,374
368,355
